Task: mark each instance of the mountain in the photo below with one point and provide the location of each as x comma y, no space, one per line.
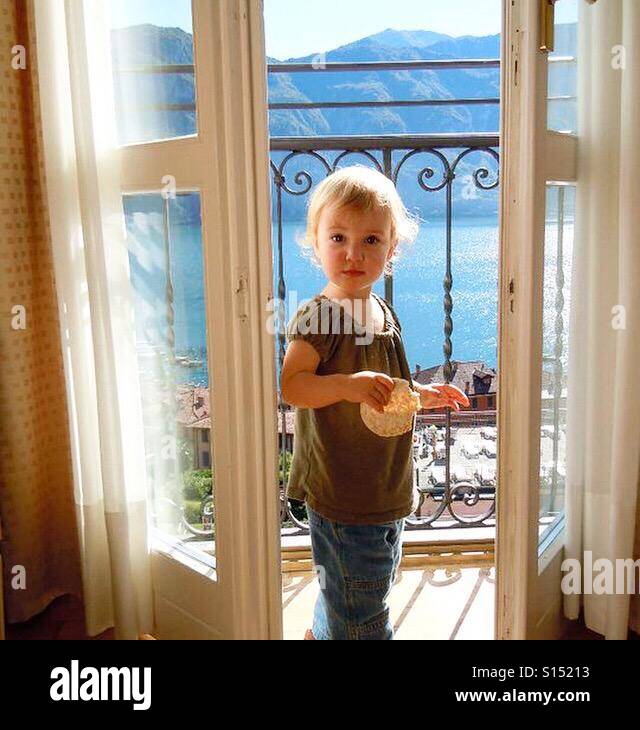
151,44
397,45
407,38
148,44
394,85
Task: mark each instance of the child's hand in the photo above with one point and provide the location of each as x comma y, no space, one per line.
442,395
369,387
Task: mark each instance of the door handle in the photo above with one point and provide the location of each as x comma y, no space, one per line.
242,294
547,18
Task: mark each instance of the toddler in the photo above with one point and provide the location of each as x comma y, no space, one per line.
344,348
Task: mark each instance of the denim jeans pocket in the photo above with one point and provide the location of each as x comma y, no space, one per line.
367,608
377,628
360,563
367,585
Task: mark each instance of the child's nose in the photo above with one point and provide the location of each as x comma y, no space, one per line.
355,253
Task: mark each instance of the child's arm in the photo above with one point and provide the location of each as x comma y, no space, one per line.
301,386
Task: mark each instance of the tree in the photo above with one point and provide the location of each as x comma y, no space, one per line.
197,484
286,463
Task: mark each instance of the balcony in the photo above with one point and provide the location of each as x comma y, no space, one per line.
445,602
454,455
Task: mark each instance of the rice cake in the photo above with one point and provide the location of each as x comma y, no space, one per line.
398,414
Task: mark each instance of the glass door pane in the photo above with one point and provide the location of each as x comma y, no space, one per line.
164,238
562,85
558,247
153,70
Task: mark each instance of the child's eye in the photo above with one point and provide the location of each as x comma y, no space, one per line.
337,235
372,239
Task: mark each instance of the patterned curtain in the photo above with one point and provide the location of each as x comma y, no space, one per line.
37,511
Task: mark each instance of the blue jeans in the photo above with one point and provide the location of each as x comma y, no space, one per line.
356,566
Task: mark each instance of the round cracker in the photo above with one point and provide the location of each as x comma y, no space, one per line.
397,417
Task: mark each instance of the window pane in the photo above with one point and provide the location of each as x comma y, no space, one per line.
558,247
166,268
562,115
153,72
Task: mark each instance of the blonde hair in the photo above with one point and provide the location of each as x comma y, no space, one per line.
360,188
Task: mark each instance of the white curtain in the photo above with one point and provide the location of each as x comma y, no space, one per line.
96,313
603,431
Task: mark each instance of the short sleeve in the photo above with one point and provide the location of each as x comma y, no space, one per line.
319,323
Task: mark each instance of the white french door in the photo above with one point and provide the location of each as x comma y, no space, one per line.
192,122
538,143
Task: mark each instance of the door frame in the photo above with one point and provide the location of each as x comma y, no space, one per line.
245,208
227,163
528,597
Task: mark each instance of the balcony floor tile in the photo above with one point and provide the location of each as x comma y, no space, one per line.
422,605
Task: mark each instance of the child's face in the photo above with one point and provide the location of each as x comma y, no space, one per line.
349,239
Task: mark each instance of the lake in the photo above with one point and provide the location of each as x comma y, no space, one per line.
418,289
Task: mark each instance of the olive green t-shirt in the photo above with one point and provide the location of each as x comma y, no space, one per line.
344,471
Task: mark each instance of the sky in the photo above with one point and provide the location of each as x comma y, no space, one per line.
302,27
167,13
307,26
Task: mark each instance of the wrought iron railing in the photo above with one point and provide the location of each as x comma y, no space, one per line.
391,155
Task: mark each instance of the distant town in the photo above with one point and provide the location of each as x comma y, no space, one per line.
478,381
472,462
